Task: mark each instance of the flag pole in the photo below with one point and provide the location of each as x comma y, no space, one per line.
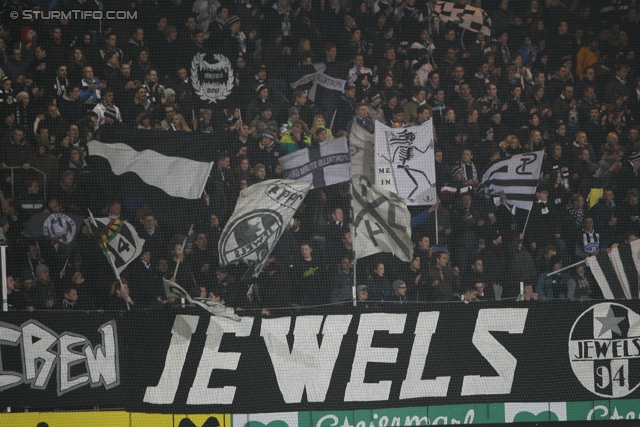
354,294
567,267
5,302
65,267
184,242
527,221
437,234
115,271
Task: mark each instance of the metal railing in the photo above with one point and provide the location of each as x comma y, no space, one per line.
13,189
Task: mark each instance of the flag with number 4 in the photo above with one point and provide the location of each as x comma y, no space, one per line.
119,241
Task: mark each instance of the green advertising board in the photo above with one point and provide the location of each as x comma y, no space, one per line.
450,415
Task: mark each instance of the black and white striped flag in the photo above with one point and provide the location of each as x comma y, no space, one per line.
468,17
617,272
517,177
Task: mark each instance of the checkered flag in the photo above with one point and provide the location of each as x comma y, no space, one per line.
470,18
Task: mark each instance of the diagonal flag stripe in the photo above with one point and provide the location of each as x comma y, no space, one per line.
617,272
616,263
626,257
370,209
382,221
599,275
610,275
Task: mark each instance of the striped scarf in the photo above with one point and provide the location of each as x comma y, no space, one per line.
474,172
576,214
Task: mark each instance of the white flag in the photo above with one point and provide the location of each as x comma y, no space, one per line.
327,165
261,215
382,222
176,176
405,163
361,150
517,177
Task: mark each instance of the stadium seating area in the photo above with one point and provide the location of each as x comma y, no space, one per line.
556,76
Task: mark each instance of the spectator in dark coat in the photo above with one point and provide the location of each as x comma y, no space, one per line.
604,214
342,281
443,281
46,291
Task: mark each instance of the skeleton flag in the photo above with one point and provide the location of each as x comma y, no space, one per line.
262,213
61,227
382,222
517,177
118,240
326,165
405,163
468,17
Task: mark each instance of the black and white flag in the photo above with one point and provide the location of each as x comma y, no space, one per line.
118,240
326,165
262,213
319,78
179,211
468,17
405,163
173,290
517,177
60,227
382,222
617,272
176,176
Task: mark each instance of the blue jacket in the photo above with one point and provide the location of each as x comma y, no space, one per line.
86,94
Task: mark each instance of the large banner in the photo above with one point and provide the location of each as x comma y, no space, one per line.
413,361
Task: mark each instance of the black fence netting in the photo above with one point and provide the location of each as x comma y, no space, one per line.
409,205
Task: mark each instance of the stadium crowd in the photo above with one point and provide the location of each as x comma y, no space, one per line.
555,75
